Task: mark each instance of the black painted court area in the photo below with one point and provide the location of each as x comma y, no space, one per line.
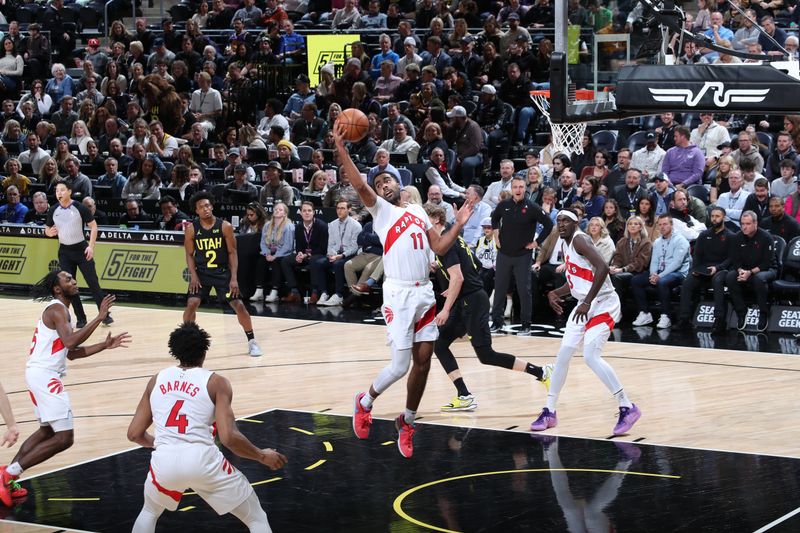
458,480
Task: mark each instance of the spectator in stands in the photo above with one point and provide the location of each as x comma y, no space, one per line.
466,138
303,95
649,158
133,213
786,184
317,186
481,210
778,223
590,196
292,45
435,56
14,178
515,221
113,178
11,67
600,168
342,246
381,159
249,13
81,185
792,203
171,218
436,198
41,100
393,116
646,211
234,157
752,265
567,192
277,244
758,201
402,143
494,190
719,176
669,265
783,150
666,131
733,201
631,255
92,162
708,136
710,260
348,17
596,229
49,175
515,90
159,142
287,157
492,116
275,189
747,33
684,163
34,155
13,212
627,195
79,136
145,182
220,17
95,56
616,176
273,117
160,53
534,189
386,54
771,41
612,216
38,214
438,174
717,32
310,244
116,151
683,223
747,150
661,195
62,152
65,117
35,51
240,184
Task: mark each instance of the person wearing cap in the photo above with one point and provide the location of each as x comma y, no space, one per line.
292,45
747,149
661,193
435,56
95,56
492,116
160,51
234,158
466,138
373,18
303,95
35,50
410,56
465,59
486,253
241,184
509,38
649,158
275,189
249,13
521,54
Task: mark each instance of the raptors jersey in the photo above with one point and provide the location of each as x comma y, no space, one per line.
403,231
47,351
579,271
183,412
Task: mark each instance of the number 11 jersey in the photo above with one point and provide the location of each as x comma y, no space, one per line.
183,412
403,231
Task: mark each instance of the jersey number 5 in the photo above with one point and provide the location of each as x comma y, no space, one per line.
419,241
177,420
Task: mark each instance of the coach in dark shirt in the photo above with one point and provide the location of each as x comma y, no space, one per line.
778,223
752,265
709,263
514,221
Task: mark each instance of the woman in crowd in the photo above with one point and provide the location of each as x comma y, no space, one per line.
13,177
80,136
492,34
118,34
60,85
11,67
459,32
248,138
115,95
540,69
186,157
255,218
613,219
144,183
42,101
410,195
12,133
580,162
93,164
201,17
718,176
334,110
48,174
599,233
230,138
180,73
600,168
533,184
374,131
277,242
86,111
432,139
318,185
47,135
179,179
62,153
632,254
492,68
97,124
591,198
362,100
437,173
560,162
325,90
646,212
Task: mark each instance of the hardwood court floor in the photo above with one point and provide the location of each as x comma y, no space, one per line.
699,398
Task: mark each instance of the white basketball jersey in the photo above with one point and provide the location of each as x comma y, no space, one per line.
403,231
47,351
183,412
579,271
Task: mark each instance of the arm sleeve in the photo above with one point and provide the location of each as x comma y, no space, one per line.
679,251
49,221
640,261
699,167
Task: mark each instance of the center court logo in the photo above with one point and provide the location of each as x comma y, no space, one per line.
12,258
131,265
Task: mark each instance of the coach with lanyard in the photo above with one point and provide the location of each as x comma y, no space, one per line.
66,220
514,221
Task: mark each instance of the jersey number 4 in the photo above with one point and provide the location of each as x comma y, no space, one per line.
177,420
419,241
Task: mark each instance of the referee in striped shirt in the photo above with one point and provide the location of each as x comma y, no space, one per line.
65,220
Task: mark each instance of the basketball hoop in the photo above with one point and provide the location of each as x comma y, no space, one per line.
567,138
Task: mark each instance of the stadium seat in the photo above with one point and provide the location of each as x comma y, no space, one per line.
780,251
181,12
787,286
699,191
304,153
605,139
766,139
405,176
637,140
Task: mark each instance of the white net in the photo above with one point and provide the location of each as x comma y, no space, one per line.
567,138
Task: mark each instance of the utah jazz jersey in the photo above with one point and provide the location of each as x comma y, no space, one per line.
460,254
210,250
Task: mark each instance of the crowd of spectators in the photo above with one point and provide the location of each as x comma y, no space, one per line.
154,114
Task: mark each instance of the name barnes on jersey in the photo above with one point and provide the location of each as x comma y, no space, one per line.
179,386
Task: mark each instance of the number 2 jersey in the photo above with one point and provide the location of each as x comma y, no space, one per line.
183,412
210,250
403,231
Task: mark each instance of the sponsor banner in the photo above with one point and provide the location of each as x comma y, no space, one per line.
573,44
146,265
324,49
784,319
104,234
751,322
704,315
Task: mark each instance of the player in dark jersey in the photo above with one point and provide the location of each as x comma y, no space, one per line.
211,257
466,311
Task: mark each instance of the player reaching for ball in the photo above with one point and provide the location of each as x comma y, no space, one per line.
183,402
355,124
409,305
54,341
590,322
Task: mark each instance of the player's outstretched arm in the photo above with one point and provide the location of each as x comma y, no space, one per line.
143,419
56,317
219,388
9,438
116,341
365,192
440,243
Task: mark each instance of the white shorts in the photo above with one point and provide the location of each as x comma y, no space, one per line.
409,309
50,400
603,314
199,467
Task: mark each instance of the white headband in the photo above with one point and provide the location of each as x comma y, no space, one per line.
568,214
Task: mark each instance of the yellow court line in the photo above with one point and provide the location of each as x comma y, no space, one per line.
73,499
251,420
270,480
318,463
188,508
300,430
328,446
388,442
398,502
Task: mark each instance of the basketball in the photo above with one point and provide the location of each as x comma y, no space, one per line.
357,124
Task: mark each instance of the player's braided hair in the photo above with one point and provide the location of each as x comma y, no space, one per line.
188,343
43,290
